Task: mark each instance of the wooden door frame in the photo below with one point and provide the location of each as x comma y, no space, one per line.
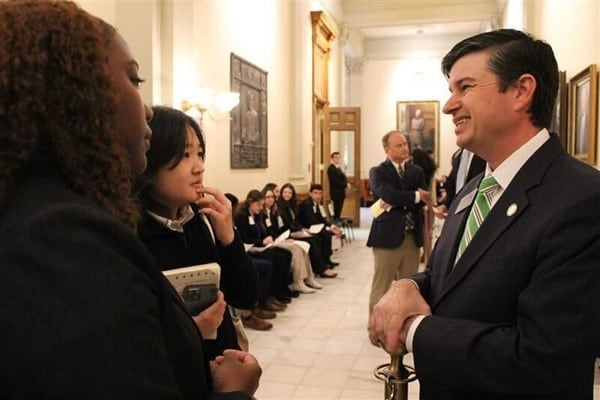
324,32
344,119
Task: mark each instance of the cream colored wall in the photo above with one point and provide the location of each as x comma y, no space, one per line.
183,43
571,28
140,35
386,82
103,9
204,35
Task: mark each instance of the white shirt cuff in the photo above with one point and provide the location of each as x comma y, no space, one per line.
417,197
414,282
411,332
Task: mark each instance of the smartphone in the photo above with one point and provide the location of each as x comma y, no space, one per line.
198,285
198,297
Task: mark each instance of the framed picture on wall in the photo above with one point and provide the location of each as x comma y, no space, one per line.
420,121
248,131
583,118
561,104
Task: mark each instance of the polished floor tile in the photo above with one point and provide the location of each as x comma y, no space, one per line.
318,348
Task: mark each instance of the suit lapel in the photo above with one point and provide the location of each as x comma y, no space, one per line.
496,223
392,173
512,204
447,244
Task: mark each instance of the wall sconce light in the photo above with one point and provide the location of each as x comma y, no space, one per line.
216,105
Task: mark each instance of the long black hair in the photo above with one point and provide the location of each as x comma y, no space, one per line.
167,146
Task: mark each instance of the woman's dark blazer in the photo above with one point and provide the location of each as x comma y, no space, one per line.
247,231
289,217
85,312
239,280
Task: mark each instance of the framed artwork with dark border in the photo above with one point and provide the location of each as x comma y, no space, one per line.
248,129
583,118
420,120
561,104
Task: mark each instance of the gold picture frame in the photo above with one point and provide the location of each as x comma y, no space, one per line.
583,118
561,105
420,121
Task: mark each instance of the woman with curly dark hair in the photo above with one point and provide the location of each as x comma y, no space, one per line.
85,312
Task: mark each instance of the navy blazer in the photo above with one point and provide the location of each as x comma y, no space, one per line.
387,230
519,314
309,215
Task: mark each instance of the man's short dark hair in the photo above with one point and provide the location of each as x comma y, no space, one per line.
512,54
316,186
335,153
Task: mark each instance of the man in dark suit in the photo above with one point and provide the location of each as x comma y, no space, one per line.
509,310
396,235
337,184
311,212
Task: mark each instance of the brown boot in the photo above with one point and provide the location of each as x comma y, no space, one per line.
257,324
263,314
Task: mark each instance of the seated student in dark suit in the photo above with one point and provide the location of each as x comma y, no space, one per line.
257,317
288,210
85,312
249,221
311,212
181,226
301,267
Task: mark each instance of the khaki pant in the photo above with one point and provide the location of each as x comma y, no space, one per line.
391,265
300,266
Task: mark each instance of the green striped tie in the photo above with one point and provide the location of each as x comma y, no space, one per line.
481,208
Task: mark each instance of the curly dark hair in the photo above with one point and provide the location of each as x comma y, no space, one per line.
57,101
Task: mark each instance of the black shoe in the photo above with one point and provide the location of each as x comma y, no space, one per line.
333,263
291,293
283,299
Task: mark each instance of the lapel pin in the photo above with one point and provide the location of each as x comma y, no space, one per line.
511,210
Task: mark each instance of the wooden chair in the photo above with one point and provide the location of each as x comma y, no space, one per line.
366,196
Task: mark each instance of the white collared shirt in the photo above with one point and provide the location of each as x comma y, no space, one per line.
509,168
174,224
177,225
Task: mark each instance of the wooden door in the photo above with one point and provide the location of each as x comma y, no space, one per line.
342,133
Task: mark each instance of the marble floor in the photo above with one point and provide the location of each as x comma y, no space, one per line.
318,348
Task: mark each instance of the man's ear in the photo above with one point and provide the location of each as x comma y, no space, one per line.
525,90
